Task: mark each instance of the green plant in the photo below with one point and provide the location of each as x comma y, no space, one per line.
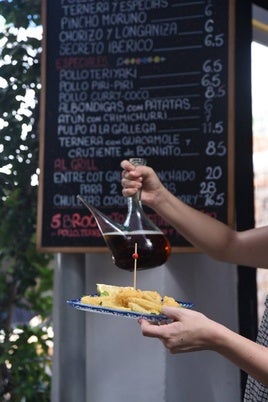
25,274
26,358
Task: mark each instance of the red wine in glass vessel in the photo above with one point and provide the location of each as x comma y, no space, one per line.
138,232
153,248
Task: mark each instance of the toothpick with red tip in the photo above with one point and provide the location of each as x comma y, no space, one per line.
135,256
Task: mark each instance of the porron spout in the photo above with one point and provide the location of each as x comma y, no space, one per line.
105,224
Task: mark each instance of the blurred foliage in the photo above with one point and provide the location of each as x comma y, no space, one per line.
25,275
26,361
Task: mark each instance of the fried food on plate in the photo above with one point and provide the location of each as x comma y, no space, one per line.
129,299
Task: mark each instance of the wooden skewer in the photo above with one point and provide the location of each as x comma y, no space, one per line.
135,257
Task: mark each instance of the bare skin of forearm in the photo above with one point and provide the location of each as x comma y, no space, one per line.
249,247
246,354
192,331
211,236
203,232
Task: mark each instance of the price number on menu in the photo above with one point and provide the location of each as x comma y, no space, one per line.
215,148
213,128
211,79
211,38
208,188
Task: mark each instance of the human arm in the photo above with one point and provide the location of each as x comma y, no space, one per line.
192,331
209,235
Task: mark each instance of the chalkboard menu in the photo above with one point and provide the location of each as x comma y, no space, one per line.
139,78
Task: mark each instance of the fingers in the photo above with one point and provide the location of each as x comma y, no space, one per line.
131,179
150,330
130,171
156,331
172,312
126,165
130,187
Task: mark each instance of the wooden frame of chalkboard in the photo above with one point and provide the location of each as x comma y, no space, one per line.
122,79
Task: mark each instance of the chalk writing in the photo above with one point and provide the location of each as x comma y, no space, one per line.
146,78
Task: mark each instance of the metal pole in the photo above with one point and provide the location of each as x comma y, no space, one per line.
68,382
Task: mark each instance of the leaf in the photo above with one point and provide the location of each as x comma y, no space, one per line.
26,276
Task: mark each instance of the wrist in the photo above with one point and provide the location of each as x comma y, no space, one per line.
160,200
217,337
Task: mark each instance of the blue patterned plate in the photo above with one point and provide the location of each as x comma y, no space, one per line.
122,313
